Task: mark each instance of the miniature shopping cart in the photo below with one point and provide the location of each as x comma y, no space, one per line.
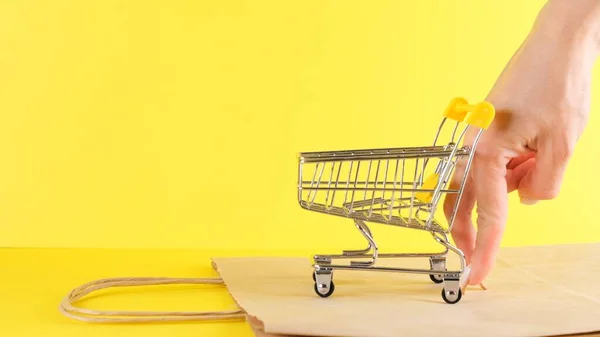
400,187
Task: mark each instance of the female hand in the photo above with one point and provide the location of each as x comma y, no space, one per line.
542,101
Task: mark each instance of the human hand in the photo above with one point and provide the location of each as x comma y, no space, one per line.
542,101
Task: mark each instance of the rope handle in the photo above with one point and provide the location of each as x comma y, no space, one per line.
68,309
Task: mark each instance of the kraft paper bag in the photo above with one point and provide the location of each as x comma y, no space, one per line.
533,291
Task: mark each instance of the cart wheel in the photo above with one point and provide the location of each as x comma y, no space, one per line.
452,298
328,293
437,264
314,276
436,278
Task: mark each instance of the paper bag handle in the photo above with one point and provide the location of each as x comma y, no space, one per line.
98,316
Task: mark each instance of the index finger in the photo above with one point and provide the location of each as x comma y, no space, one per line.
489,184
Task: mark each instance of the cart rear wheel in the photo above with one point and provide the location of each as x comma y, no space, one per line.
329,291
437,264
436,278
451,297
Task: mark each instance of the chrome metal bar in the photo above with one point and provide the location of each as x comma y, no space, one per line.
354,189
373,193
337,180
422,175
366,232
349,253
318,183
368,177
362,182
329,183
385,177
348,182
397,221
443,179
454,131
435,139
359,152
452,273
439,130
463,181
412,200
380,189
402,177
300,172
411,155
444,242
379,256
356,253
312,181
392,200
363,203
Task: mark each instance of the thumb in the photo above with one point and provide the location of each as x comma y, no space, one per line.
544,180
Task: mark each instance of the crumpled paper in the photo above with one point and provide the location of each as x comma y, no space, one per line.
533,291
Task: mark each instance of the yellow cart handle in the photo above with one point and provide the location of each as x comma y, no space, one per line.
479,115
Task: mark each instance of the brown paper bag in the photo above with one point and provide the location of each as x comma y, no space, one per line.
533,291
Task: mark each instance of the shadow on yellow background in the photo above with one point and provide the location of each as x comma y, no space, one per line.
176,124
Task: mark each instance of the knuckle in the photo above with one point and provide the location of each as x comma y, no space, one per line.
564,150
493,217
486,153
488,161
564,137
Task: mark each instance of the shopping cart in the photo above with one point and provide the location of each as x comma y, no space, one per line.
400,187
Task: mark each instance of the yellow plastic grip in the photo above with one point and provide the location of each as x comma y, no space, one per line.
479,115
429,184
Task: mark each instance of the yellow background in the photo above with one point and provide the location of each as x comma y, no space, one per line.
176,124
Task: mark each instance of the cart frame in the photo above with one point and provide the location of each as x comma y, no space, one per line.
423,196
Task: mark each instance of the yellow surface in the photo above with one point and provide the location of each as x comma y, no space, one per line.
177,123
34,281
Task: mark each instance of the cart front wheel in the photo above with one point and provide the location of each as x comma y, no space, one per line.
329,290
451,296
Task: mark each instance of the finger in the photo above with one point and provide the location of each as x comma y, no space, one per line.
543,182
513,163
516,174
490,189
462,230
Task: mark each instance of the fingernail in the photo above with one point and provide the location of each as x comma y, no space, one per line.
525,201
